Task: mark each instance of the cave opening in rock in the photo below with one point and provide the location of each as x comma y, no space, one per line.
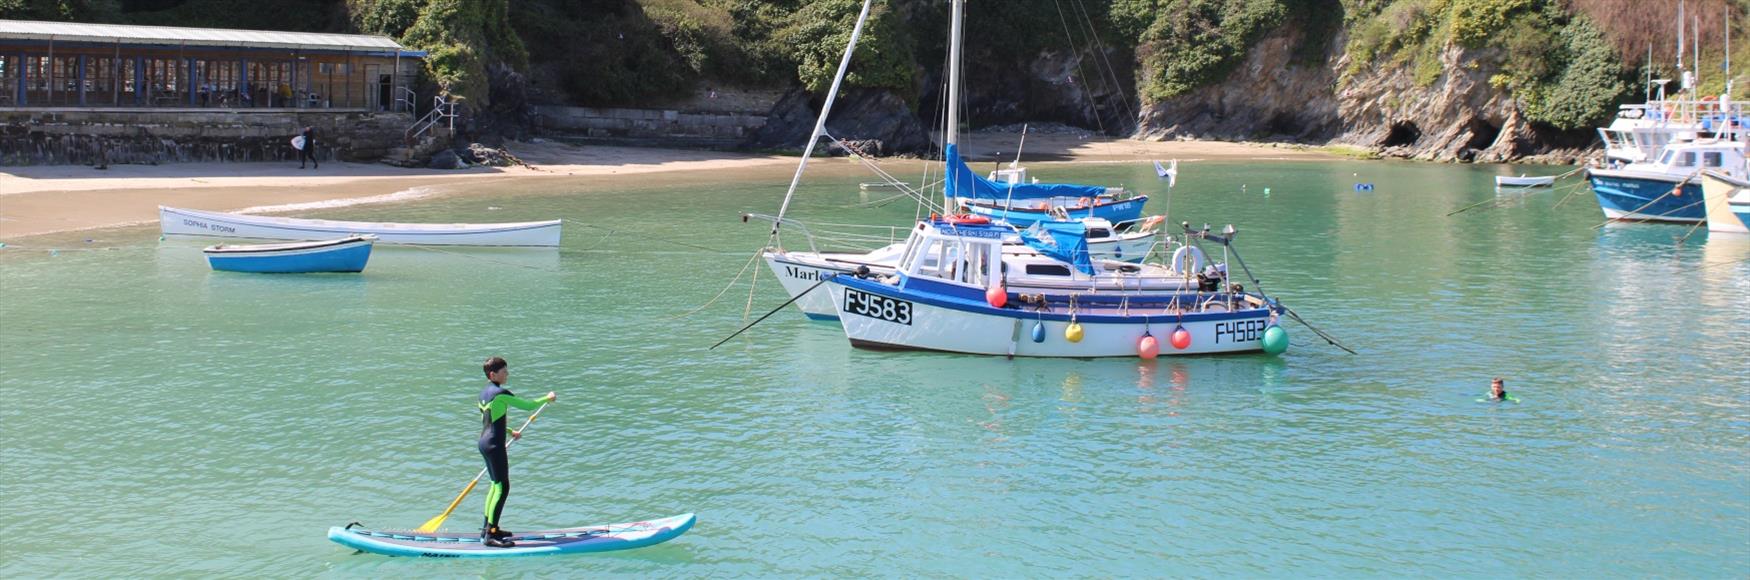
1482,134
1402,133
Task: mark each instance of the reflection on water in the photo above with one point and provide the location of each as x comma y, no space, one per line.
263,409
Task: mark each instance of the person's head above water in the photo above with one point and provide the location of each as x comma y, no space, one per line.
1497,387
497,370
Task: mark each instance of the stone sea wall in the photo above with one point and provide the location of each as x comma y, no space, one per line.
138,136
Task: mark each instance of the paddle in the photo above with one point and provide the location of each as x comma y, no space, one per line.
433,524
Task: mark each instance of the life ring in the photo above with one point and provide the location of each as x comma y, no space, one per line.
1189,259
966,219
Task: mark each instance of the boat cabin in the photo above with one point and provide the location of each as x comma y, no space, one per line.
1691,157
970,257
959,254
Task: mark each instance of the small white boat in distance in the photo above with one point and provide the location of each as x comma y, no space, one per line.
188,222
1523,181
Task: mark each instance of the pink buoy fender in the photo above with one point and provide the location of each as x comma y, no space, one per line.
1148,347
1181,338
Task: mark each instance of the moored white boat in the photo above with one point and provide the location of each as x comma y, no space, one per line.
1523,181
1028,270
952,291
347,254
188,222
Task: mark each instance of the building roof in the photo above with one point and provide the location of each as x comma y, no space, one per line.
175,36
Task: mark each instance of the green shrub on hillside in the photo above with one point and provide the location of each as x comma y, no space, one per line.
1475,23
1185,44
1588,80
820,30
462,37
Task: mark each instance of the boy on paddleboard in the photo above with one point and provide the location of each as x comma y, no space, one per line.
495,403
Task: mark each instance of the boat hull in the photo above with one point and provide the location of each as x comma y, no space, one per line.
186,222
947,324
1728,204
1524,181
343,256
1627,196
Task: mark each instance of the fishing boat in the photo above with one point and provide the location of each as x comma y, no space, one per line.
188,222
1523,181
1727,199
347,254
1669,187
1032,265
949,293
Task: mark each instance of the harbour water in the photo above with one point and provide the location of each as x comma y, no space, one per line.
167,420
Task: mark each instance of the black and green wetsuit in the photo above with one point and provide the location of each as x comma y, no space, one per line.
495,401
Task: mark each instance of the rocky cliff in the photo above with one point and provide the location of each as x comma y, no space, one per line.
1456,117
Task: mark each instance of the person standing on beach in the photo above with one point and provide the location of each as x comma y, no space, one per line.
308,153
495,401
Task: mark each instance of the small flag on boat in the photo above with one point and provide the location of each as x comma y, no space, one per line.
1171,175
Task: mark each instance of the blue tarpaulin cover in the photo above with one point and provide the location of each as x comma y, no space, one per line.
962,182
1064,241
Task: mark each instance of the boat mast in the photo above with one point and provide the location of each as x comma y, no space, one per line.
951,133
825,110
952,136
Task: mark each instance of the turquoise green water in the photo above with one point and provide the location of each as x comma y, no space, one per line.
166,420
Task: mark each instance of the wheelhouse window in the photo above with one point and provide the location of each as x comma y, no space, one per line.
1712,159
1687,160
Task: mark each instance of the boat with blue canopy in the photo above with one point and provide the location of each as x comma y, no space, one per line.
1024,204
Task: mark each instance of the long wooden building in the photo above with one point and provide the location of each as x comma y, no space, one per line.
76,65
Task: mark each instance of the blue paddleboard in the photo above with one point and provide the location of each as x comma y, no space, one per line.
538,543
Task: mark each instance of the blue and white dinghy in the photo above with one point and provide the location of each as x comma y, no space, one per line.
347,254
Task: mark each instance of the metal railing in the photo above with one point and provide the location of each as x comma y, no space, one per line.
443,111
404,99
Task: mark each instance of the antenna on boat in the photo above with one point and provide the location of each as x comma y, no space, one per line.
825,110
1682,76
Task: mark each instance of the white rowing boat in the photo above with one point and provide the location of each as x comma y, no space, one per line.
1523,181
188,222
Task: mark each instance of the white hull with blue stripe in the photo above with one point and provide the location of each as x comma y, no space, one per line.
342,255
956,289
881,316
188,222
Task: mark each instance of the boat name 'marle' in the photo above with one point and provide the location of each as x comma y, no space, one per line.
878,307
1241,331
204,226
802,273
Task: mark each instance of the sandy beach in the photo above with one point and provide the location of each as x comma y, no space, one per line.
42,200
